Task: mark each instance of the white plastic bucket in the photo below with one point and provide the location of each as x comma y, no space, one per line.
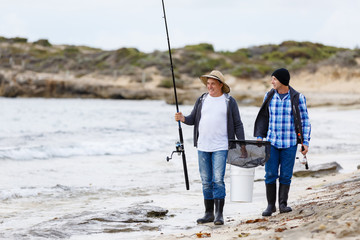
241,184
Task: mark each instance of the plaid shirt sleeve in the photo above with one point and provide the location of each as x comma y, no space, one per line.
306,126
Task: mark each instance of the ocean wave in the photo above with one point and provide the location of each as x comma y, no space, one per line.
51,128
64,150
57,191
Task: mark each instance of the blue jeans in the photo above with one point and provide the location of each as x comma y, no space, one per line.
283,158
212,167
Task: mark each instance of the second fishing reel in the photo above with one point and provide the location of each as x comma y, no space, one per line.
303,160
179,149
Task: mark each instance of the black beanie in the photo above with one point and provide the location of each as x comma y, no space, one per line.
282,75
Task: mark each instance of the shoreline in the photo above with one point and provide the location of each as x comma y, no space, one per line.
320,89
331,101
323,208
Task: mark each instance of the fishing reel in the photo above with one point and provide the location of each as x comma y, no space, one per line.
179,149
303,160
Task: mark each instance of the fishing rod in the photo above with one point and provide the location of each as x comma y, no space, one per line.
179,145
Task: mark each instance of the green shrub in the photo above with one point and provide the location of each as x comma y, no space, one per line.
101,65
252,71
168,83
3,39
129,55
43,42
289,44
329,51
202,47
16,50
71,51
128,70
256,52
244,72
273,56
298,64
38,53
344,58
241,55
18,40
196,67
305,44
264,69
298,52
157,58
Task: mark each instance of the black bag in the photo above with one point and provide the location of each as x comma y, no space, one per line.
247,153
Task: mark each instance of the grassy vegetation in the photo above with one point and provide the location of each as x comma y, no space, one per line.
43,42
191,60
168,83
202,47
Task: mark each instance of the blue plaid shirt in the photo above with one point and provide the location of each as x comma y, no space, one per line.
281,132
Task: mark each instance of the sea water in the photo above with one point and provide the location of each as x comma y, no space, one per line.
95,169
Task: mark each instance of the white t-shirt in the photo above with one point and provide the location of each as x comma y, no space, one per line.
213,134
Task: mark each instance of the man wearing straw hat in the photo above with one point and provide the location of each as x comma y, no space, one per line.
283,119
216,119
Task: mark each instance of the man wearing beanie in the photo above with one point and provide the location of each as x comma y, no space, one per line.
283,119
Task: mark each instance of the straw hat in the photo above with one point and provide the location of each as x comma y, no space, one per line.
218,76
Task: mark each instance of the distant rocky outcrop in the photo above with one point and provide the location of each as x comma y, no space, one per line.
41,69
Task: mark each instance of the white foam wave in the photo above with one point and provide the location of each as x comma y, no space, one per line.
89,148
67,128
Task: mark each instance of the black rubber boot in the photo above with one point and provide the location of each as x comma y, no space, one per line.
209,212
271,199
283,197
219,206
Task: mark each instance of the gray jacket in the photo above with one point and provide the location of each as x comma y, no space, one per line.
234,123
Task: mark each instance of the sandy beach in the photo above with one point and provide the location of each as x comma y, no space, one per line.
323,208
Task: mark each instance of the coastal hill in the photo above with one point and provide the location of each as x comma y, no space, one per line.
326,75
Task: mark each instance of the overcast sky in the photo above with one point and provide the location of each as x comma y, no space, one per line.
227,24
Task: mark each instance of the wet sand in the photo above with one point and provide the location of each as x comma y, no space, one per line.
323,208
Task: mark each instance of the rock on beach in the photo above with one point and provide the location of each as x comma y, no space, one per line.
317,170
